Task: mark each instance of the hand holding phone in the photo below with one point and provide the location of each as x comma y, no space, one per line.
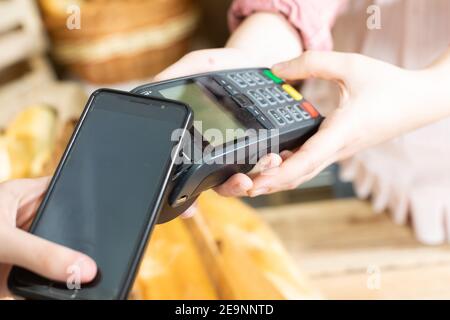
106,193
19,200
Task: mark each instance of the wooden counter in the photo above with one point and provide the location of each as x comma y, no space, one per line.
349,252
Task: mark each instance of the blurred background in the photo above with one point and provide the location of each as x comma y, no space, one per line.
316,241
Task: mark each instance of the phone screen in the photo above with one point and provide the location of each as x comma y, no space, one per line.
108,186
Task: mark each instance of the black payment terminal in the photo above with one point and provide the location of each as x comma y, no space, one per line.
255,113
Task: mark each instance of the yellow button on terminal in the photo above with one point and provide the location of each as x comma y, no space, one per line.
292,92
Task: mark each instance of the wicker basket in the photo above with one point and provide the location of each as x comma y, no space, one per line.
120,40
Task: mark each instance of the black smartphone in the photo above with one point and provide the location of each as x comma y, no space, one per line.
107,191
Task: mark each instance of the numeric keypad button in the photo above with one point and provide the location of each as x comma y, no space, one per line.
247,79
275,115
267,96
237,80
286,115
259,99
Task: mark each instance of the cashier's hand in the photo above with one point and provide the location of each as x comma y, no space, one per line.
19,200
378,101
208,60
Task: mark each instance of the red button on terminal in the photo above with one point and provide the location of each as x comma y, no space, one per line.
310,109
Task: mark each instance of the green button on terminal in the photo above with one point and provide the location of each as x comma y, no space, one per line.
270,75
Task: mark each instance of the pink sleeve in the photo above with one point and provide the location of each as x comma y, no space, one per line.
312,18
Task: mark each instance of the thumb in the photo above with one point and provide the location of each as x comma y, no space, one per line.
317,153
315,64
45,258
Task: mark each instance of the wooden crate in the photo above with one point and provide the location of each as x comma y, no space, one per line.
21,32
22,43
27,76
26,79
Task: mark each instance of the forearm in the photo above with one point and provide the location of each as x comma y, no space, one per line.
439,82
267,37
431,91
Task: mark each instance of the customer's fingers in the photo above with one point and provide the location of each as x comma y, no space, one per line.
236,186
22,197
316,64
31,202
24,190
44,257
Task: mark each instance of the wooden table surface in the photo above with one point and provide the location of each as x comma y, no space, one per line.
351,253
